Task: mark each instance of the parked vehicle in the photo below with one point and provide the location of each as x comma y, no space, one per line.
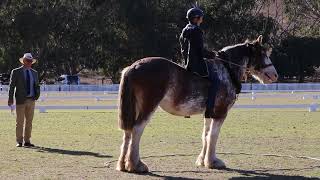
4,79
68,79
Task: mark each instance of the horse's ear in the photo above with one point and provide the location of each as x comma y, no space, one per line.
259,40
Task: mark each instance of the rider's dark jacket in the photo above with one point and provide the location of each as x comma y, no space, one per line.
193,51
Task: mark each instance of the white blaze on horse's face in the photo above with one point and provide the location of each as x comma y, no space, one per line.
268,74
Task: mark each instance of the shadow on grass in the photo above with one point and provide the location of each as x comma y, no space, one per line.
151,174
69,152
244,174
263,174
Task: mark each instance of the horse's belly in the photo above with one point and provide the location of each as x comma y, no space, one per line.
187,108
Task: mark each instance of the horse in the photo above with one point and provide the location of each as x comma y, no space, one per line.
155,81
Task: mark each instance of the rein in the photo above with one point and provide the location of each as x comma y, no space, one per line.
234,80
238,65
226,61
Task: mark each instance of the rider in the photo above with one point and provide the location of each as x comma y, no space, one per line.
193,52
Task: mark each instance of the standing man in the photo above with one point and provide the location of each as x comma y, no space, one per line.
193,52
24,83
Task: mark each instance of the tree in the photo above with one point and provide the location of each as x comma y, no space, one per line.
305,14
297,57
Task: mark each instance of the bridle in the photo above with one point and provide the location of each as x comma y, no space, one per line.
224,57
264,66
259,67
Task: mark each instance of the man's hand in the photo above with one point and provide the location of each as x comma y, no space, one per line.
10,102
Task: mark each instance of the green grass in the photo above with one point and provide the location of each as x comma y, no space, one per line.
77,144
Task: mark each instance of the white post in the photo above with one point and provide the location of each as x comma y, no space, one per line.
253,96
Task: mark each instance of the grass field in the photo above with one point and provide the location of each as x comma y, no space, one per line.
85,145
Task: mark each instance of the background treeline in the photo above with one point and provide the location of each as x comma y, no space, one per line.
68,36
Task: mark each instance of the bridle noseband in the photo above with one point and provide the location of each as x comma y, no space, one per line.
258,68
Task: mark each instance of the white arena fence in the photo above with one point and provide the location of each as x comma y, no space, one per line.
246,87
110,93
42,109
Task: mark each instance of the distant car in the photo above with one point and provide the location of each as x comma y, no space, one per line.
4,79
69,79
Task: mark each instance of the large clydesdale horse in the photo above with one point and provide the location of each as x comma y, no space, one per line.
155,81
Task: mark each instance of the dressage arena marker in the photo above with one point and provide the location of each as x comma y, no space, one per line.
313,107
42,109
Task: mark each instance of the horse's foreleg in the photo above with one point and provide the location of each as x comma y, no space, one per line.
211,160
206,128
123,151
134,164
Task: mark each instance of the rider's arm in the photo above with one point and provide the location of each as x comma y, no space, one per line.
208,54
199,43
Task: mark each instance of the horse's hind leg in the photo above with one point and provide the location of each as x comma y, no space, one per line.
134,164
206,128
124,150
211,160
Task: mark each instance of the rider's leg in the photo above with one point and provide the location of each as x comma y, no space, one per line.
212,91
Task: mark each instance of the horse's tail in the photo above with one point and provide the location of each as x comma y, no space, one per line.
127,101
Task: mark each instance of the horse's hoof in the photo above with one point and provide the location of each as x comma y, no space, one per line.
139,168
142,168
216,164
121,166
200,161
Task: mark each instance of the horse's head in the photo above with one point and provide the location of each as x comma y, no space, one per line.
260,65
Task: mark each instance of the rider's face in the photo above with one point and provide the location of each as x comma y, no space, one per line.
198,20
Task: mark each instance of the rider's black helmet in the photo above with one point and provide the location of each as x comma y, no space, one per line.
194,13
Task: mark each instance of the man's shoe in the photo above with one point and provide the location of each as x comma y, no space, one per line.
19,145
28,144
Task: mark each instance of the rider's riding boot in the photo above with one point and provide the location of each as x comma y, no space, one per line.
209,113
210,102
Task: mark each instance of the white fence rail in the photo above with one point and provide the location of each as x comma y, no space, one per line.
277,87
58,88
310,107
281,87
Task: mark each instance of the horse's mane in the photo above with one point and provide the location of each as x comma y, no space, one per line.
234,46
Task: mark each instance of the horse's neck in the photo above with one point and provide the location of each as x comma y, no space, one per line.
238,55
239,71
235,73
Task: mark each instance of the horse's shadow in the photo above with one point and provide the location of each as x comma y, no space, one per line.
69,152
152,174
263,174
244,174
